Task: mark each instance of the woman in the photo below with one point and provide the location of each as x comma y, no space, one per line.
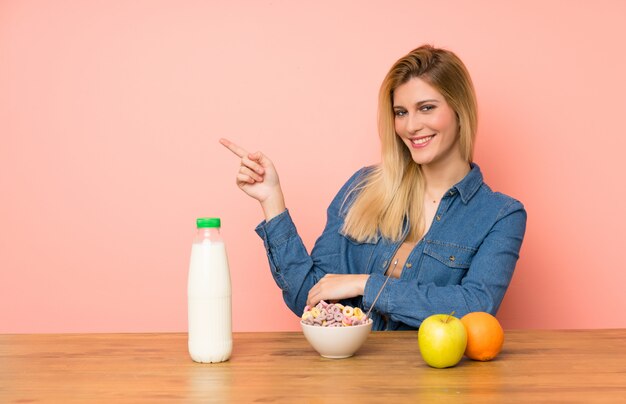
423,216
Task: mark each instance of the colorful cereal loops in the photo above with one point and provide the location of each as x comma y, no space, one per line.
333,315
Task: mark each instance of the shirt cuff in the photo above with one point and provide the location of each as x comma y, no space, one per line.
372,287
277,231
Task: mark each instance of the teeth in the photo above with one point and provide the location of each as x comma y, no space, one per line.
422,140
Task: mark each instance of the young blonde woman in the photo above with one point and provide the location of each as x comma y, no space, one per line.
423,215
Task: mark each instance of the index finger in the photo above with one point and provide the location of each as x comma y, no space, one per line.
234,148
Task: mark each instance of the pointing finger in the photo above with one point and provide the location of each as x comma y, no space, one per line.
233,147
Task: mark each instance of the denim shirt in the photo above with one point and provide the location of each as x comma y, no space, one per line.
464,263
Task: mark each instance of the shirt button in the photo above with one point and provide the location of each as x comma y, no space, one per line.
408,265
438,218
452,258
385,263
451,192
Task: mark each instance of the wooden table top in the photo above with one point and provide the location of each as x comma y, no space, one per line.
534,366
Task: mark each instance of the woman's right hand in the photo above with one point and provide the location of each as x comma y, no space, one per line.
258,178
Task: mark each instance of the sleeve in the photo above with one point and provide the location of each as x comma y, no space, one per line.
482,289
293,269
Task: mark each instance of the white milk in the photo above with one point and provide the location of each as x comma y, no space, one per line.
209,299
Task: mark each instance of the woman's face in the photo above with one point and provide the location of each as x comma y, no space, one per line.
426,124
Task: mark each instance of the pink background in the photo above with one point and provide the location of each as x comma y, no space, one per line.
110,113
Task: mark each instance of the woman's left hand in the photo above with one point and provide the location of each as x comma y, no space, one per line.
337,287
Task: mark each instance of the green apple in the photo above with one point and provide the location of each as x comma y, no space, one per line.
442,340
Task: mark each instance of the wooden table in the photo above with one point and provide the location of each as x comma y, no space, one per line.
534,366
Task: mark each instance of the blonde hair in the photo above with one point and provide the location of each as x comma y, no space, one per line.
394,190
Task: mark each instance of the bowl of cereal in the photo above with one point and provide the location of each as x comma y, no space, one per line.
335,331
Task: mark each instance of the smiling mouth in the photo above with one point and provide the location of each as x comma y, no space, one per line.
422,140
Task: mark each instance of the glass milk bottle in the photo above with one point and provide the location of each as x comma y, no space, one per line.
209,295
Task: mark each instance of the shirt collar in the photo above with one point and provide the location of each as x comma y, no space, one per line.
468,186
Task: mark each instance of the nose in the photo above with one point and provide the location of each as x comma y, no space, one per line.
413,124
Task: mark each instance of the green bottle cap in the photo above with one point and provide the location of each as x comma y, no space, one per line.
204,222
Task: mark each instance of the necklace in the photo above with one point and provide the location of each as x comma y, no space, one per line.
430,197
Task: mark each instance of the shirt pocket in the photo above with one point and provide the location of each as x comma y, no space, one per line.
445,263
356,255
357,243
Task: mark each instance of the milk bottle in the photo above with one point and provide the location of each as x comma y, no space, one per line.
209,295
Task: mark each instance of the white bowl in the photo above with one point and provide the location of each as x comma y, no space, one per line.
336,342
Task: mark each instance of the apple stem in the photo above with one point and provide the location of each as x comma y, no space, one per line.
449,315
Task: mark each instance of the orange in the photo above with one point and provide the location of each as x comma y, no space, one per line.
484,336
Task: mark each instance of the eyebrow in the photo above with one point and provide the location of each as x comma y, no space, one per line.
418,103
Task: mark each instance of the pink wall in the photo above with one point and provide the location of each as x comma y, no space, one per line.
110,114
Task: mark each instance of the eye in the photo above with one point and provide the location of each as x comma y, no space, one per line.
427,107
399,112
